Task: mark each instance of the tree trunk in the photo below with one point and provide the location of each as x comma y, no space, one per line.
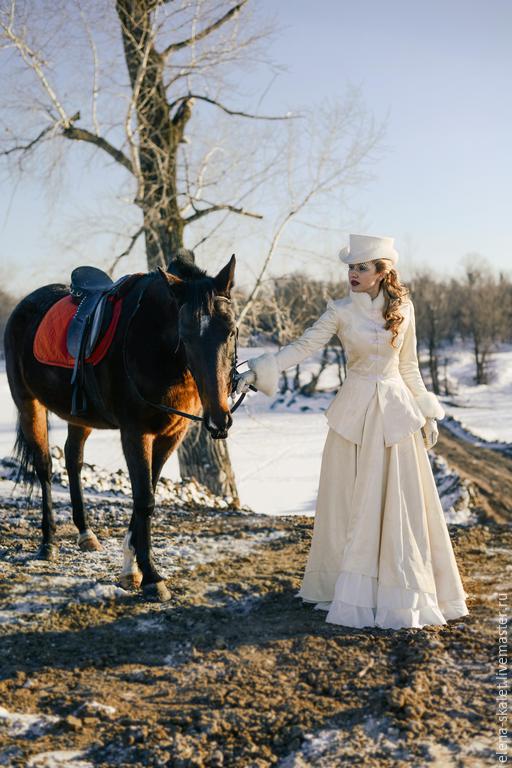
341,361
447,390
159,136
434,367
310,388
207,461
296,378
432,347
479,369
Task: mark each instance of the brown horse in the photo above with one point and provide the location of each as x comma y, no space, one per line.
174,345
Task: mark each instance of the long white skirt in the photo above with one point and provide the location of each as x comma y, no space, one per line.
381,553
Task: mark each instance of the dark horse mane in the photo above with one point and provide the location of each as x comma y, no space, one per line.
200,287
185,268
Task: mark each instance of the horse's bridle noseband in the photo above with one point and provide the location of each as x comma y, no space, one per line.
234,377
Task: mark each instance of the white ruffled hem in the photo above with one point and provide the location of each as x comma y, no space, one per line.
360,601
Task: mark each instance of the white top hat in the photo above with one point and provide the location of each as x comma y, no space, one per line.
368,248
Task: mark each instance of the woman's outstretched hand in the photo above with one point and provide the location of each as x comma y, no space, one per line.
246,379
430,433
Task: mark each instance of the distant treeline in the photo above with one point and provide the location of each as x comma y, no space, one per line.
475,309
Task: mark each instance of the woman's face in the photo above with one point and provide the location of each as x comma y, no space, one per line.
364,277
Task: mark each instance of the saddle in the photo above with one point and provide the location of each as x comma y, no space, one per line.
91,287
77,332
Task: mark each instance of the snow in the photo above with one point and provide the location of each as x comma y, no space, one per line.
276,444
334,746
39,594
454,493
61,758
26,725
95,706
484,410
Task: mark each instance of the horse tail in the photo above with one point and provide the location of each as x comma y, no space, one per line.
24,454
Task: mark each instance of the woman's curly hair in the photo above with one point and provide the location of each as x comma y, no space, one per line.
394,294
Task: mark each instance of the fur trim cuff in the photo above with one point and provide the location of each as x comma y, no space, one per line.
267,373
430,406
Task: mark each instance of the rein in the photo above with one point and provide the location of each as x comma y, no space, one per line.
167,408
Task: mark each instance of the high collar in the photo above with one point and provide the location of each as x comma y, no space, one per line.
364,301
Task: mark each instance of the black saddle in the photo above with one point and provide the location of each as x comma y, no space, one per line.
91,288
89,280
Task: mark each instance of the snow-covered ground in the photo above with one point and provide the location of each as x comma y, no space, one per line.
484,410
276,455
276,446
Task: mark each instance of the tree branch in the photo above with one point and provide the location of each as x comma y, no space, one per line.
28,147
228,111
205,32
66,123
82,134
32,59
199,214
127,251
259,281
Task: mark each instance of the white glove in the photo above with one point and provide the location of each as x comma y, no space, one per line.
246,378
430,433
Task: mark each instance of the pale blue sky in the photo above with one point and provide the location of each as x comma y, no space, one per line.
439,71
442,71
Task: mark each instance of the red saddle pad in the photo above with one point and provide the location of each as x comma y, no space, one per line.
50,339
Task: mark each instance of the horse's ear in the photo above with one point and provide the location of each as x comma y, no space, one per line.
173,283
225,279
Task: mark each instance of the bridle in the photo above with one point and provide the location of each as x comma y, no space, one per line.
234,376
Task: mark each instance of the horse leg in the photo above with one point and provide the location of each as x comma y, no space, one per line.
137,449
74,455
34,433
162,448
131,577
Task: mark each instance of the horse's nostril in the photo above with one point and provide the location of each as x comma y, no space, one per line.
212,426
220,424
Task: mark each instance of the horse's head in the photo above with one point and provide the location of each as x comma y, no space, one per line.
207,330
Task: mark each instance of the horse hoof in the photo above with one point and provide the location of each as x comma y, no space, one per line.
130,580
88,542
156,592
47,552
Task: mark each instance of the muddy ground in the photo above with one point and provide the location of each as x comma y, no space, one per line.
236,671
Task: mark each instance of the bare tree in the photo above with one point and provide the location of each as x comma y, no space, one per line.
177,57
280,313
167,49
481,314
169,52
328,156
432,302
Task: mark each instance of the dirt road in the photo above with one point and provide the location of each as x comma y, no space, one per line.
236,671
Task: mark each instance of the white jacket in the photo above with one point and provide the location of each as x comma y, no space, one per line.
373,366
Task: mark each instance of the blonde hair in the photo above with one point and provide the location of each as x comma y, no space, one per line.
394,294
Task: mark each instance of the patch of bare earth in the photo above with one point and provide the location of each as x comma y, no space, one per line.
236,671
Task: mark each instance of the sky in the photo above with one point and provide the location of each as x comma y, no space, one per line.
441,72
438,73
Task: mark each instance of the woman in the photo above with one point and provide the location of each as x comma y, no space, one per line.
381,554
